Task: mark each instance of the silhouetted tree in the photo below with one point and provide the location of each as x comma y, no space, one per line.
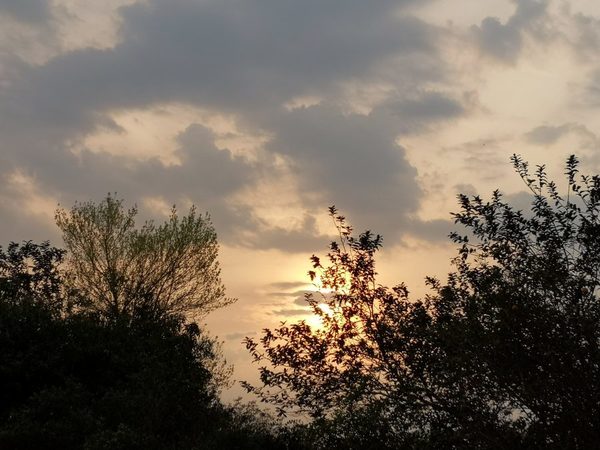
243,426
32,270
78,380
71,378
118,268
504,354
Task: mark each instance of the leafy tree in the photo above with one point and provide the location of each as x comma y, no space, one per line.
245,426
79,380
31,270
71,378
118,268
504,354
75,379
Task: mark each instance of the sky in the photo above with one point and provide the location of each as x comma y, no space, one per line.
265,112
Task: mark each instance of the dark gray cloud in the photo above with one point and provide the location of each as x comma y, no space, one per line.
521,201
427,107
587,29
305,239
430,230
261,50
32,11
246,58
415,111
499,40
298,304
547,134
206,176
504,41
299,296
229,54
206,173
351,161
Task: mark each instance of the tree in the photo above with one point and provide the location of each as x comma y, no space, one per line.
119,268
77,379
504,354
31,270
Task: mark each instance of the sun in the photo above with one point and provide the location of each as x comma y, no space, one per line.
315,321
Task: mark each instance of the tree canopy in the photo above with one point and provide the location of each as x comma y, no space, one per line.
103,352
504,353
116,267
74,379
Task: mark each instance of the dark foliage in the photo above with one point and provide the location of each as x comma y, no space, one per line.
78,380
504,354
31,271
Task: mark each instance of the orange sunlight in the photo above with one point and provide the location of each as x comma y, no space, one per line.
315,321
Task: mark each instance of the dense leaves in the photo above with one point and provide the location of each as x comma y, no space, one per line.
118,268
75,379
31,270
503,354
78,380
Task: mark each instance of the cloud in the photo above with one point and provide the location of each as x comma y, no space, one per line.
547,135
348,160
429,106
246,59
19,224
587,28
413,112
505,41
287,285
430,230
223,54
31,11
591,90
304,239
239,335
301,297
206,176
291,312
501,41
521,201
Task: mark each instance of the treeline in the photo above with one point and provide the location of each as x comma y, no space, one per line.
502,354
97,349
101,351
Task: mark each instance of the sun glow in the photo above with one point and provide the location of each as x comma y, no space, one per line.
315,321
326,309
319,287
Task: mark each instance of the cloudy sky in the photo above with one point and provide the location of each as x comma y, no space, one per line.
264,112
